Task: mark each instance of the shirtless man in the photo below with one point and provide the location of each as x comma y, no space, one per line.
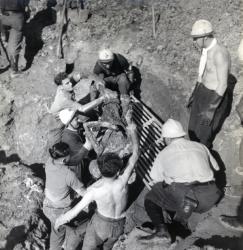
110,195
209,100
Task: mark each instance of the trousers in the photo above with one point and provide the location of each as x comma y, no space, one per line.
171,198
15,21
57,237
201,101
102,230
119,82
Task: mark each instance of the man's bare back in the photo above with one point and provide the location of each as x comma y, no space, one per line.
109,193
110,197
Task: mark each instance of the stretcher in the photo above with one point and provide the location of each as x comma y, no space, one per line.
149,129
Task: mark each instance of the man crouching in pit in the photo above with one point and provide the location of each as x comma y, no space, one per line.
110,195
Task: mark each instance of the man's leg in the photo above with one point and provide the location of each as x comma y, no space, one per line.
57,238
15,39
116,229
156,215
164,198
205,134
123,84
14,47
91,239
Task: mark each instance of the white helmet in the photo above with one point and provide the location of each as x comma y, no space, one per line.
66,115
172,129
201,28
106,55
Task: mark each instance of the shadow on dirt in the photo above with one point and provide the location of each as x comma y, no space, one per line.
33,33
17,235
8,159
233,243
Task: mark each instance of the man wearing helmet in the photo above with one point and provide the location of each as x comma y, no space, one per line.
182,180
116,73
208,101
72,135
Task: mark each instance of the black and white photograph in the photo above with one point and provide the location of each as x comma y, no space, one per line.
121,124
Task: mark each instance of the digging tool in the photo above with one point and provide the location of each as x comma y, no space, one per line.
59,43
153,21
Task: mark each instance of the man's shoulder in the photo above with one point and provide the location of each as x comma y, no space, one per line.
122,60
221,50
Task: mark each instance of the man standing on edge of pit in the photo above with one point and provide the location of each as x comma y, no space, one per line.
12,15
208,101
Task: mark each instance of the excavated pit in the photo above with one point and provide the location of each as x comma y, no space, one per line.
168,67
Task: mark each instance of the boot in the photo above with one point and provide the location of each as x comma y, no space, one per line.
161,231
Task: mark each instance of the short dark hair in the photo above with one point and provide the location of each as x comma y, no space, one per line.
109,164
59,77
59,150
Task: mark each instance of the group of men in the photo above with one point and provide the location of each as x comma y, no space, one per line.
182,173
69,156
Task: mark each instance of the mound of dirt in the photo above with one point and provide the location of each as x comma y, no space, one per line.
21,225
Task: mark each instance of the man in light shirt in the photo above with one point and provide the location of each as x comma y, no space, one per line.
60,180
110,194
209,100
182,180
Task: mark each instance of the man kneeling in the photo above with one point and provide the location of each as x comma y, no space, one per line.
183,180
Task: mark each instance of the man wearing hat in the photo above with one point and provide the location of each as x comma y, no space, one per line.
209,99
78,147
182,180
116,73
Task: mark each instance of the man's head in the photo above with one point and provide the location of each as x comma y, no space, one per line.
62,79
59,150
202,31
109,164
106,58
172,129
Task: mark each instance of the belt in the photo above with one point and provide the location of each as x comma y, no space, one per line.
197,183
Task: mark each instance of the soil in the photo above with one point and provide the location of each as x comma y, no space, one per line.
168,66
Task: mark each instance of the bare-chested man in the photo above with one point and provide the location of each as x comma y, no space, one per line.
110,195
209,100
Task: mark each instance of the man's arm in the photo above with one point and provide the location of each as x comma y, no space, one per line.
156,172
213,162
61,102
68,216
131,128
83,153
221,61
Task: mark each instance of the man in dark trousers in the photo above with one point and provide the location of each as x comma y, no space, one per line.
209,99
12,15
71,135
116,74
182,180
